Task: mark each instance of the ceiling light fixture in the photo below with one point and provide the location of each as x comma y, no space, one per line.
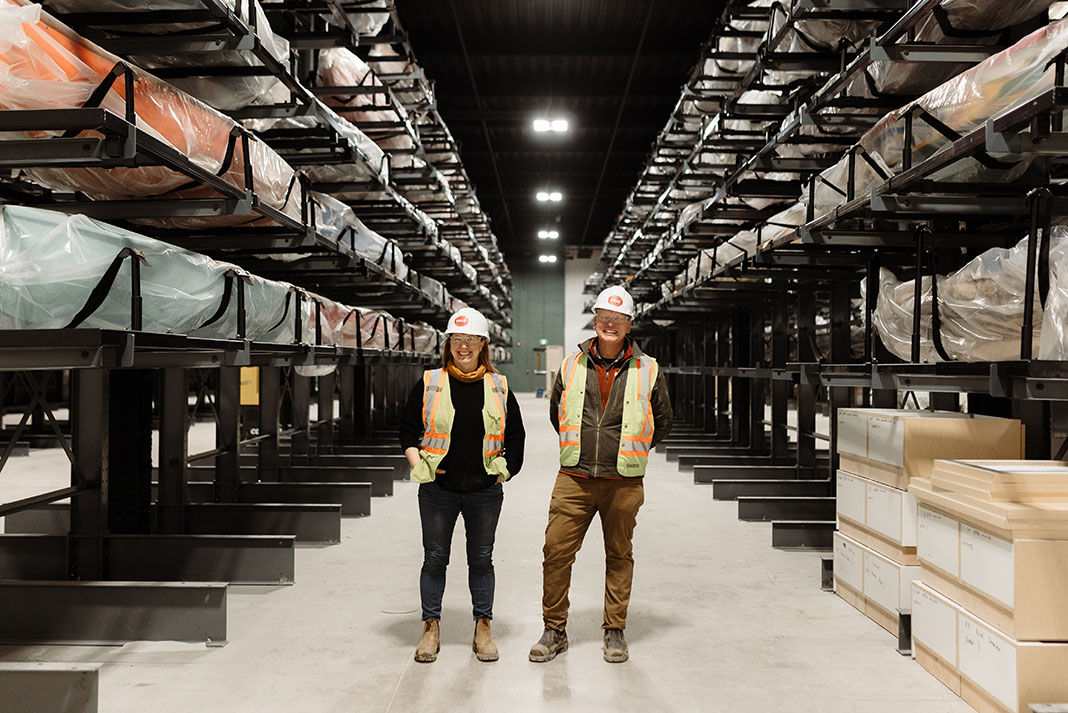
546,258
555,125
554,196
548,234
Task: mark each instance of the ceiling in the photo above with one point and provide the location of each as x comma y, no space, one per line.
613,68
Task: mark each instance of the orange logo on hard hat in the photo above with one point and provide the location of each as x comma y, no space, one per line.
615,301
461,321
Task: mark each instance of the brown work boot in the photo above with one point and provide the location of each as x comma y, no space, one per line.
551,643
483,646
430,644
615,646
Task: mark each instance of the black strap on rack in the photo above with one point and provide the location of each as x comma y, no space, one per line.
941,127
936,321
224,303
1041,204
941,15
104,285
121,69
285,310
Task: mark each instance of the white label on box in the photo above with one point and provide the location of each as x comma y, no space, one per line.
886,440
986,563
850,498
938,540
988,659
934,624
882,581
908,520
884,511
848,562
852,433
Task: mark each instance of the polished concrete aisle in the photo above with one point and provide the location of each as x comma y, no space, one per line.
719,621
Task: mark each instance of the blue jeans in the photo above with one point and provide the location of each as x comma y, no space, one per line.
438,509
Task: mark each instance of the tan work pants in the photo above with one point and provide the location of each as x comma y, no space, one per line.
571,510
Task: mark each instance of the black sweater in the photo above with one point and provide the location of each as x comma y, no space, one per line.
463,466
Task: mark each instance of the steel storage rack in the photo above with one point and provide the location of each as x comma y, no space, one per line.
131,150
761,292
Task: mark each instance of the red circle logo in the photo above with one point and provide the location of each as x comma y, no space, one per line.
615,301
461,321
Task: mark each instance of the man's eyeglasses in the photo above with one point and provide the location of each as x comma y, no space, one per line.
610,319
465,340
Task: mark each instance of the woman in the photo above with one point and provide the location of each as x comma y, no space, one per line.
463,435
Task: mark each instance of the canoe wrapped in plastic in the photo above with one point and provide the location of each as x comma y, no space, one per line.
980,307
366,21
981,22
377,330
964,103
337,221
339,67
427,339
51,263
219,92
374,165
47,66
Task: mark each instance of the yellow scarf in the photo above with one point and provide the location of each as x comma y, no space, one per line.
466,377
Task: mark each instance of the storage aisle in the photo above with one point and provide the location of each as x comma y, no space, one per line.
719,622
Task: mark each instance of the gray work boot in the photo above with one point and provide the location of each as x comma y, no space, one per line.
549,645
615,646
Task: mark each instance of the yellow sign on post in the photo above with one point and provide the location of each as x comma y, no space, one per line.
250,386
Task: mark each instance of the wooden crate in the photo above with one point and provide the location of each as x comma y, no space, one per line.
877,516
901,444
1016,582
998,674
1019,481
934,635
870,582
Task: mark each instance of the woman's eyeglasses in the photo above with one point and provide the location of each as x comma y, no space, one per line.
466,340
610,319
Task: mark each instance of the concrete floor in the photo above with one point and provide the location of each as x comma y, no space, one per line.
719,621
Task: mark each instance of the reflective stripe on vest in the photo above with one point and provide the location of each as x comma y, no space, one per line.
637,428
438,416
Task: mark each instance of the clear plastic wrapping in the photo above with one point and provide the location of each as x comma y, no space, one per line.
50,264
980,308
339,67
219,92
964,103
969,16
336,221
46,66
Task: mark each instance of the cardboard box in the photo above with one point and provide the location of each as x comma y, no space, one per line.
997,674
904,444
1017,584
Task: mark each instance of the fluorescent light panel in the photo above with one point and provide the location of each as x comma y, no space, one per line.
555,125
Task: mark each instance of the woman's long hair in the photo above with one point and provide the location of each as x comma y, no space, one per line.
483,355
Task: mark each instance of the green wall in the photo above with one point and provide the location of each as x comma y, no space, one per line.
537,313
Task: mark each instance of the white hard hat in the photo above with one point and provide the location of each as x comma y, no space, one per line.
615,299
468,321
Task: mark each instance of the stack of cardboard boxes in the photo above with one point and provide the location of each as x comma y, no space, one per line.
880,452
990,609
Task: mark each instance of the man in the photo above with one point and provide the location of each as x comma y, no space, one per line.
610,406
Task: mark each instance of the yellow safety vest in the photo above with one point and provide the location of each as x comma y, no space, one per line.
438,415
637,437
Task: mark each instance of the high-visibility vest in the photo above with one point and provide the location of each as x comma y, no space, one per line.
438,415
637,437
